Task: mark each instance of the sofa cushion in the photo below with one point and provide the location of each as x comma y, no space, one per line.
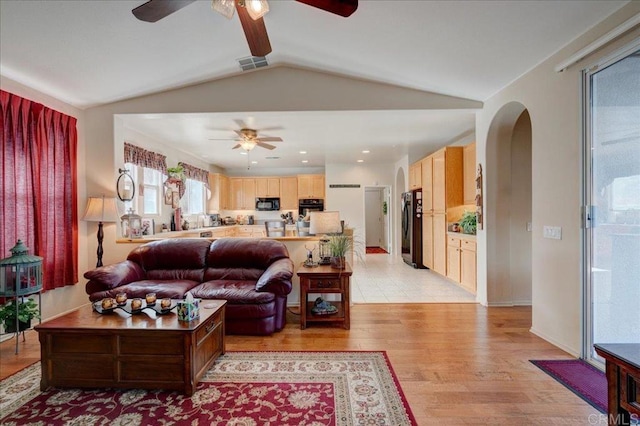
172,253
111,276
233,291
236,253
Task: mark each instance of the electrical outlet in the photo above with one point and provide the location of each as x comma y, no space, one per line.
552,232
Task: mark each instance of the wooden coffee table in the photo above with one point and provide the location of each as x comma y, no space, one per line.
90,350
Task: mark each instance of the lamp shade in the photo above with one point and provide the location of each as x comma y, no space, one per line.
101,209
324,222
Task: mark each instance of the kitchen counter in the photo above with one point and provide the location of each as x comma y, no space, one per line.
461,235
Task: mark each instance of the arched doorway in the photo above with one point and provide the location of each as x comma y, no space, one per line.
508,218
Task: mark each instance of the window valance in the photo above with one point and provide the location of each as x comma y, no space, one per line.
195,173
144,158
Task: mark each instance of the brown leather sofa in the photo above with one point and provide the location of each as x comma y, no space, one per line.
252,275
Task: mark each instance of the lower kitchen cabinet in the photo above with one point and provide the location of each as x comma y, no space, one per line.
461,262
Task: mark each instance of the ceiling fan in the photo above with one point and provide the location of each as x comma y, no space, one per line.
250,13
248,139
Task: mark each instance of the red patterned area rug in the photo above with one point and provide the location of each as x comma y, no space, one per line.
376,250
242,388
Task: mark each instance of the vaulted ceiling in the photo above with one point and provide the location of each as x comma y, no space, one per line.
89,53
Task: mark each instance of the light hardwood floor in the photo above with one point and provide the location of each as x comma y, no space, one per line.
458,364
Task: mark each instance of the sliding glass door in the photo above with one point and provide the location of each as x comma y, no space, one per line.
612,192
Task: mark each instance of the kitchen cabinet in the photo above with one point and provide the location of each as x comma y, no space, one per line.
441,182
311,186
243,193
415,175
440,243
468,266
447,178
256,231
289,193
267,187
219,186
469,173
461,262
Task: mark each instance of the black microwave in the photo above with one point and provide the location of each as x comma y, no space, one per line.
267,204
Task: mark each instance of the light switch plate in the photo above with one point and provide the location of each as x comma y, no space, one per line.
529,227
552,232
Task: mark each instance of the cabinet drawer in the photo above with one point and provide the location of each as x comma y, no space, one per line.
324,283
468,245
208,327
453,242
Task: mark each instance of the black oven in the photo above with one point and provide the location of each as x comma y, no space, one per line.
267,204
306,205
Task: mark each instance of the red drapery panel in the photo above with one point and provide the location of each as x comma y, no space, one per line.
39,186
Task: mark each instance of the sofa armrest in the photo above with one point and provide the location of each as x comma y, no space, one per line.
277,278
111,276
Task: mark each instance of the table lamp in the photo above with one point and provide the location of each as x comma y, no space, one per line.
101,209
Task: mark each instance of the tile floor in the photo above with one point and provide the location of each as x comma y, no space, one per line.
385,278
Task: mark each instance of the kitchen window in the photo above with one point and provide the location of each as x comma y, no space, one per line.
193,201
149,184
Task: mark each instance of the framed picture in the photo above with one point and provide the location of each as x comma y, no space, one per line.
168,196
147,227
175,199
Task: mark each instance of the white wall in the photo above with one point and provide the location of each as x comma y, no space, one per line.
553,102
69,297
520,213
350,201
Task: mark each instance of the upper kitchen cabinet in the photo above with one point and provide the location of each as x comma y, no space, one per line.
219,185
469,173
447,178
267,187
289,193
311,186
243,193
415,175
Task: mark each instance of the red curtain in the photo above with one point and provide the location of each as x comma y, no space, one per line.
39,186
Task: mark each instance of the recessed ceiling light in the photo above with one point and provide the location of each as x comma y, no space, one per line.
360,161
305,161
366,151
243,152
303,152
254,162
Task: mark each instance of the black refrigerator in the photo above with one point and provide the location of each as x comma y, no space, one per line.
412,228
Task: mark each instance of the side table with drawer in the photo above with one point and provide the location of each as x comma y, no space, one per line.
325,280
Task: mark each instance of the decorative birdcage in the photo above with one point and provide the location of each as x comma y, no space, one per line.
20,274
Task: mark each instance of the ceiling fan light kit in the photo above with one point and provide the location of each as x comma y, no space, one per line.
225,8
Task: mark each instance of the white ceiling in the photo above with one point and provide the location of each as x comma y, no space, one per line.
89,53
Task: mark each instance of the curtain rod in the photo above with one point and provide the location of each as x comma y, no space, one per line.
582,53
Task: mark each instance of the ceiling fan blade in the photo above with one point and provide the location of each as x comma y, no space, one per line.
265,145
237,146
155,10
270,139
255,32
241,123
339,7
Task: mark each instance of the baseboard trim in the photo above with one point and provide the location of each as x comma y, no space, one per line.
554,342
500,304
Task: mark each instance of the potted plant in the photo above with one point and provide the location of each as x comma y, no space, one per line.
468,223
176,173
339,246
27,310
